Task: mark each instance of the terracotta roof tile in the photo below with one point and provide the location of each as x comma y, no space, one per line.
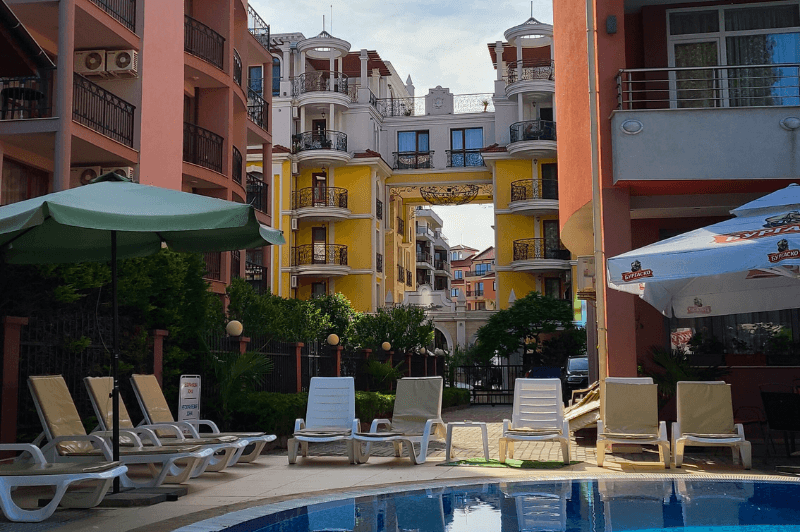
280,149
494,148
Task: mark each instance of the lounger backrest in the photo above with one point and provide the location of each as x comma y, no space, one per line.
631,408
99,389
417,400
331,402
705,407
151,399
537,404
622,380
57,412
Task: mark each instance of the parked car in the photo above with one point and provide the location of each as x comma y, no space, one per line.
574,375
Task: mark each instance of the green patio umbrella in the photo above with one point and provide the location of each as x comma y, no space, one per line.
113,218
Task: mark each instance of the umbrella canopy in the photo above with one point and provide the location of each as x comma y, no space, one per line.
750,263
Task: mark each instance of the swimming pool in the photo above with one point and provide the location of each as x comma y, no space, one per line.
568,505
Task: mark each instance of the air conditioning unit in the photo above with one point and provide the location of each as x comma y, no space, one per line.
294,224
83,174
90,62
294,281
124,171
122,63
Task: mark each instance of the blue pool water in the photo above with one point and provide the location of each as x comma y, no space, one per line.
695,505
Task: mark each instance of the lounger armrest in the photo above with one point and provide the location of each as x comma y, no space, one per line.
356,426
186,425
299,424
129,433
173,429
378,422
662,430
429,427
565,428
96,441
506,425
35,452
146,433
739,429
197,423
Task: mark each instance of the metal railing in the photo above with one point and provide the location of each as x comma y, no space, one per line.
530,69
256,276
257,193
378,262
538,248
464,158
379,209
423,277
237,67
237,166
257,109
306,254
409,278
533,130
475,293
462,104
24,97
401,274
440,284
202,147
98,109
478,273
709,87
257,27
320,81
213,260
319,197
401,227
319,140
529,189
424,230
424,256
236,263
123,11
410,160
441,265
202,41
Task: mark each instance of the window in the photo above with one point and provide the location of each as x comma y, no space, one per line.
459,274
255,78
413,150
479,289
21,182
317,290
465,147
549,188
483,268
276,76
454,292
480,305
552,287
454,255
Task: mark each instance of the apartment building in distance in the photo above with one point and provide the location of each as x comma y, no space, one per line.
155,93
474,277
432,250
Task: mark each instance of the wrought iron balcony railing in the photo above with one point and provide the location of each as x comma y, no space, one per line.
462,103
539,248
257,109
202,147
100,110
409,278
379,209
257,27
319,140
410,160
202,41
530,69
464,158
709,87
213,262
320,81
256,276
533,130
237,166
474,293
319,197
531,189
257,193
236,263
237,67
424,256
401,274
25,97
478,273
307,254
401,227
378,262
123,11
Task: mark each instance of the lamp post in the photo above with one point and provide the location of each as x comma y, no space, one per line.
333,341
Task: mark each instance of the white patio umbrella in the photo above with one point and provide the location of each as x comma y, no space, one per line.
750,263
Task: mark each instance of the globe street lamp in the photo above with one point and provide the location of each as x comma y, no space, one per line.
234,328
386,346
333,339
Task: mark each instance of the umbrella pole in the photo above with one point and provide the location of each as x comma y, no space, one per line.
115,355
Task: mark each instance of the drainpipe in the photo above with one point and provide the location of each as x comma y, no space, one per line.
597,204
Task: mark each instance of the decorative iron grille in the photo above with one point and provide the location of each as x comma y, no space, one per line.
409,278
257,109
26,97
319,140
378,262
100,110
237,67
379,209
237,166
320,81
474,293
257,27
236,264
449,194
464,158
473,103
400,106
401,227
533,130
319,197
123,11
257,193
213,262
202,147
411,160
307,254
530,69
529,189
202,41
538,248
401,274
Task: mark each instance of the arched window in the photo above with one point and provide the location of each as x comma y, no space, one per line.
276,76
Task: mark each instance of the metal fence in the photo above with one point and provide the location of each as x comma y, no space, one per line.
493,385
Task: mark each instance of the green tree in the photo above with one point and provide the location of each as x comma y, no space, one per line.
340,314
521,325
571,342
406,327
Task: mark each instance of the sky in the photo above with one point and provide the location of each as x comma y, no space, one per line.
435,42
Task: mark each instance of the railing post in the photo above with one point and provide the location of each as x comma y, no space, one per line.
408,364
158,354
298,359
11,348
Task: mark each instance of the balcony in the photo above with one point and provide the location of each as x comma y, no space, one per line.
202,147
237,67
321,81
441,266
409,278
425,233
538,254
237,166
423,278
320,203
213,261
256,276
534,196
739,110
464,158
321,147
257,27
320,260
257,193
462,104
412,160
26,97
536,75
203,42
424,260
475,293
257,109
100,110
533,138
123,11
478,273
401,274
379,263
378,209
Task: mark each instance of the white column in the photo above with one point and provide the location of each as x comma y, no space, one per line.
302,62
520,112
519,60
363,56
286,66
302,119
498,50
332,113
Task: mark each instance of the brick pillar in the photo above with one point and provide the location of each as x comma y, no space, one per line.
11,339
298,357
243,341
425,358
337,361
158,354
408,364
